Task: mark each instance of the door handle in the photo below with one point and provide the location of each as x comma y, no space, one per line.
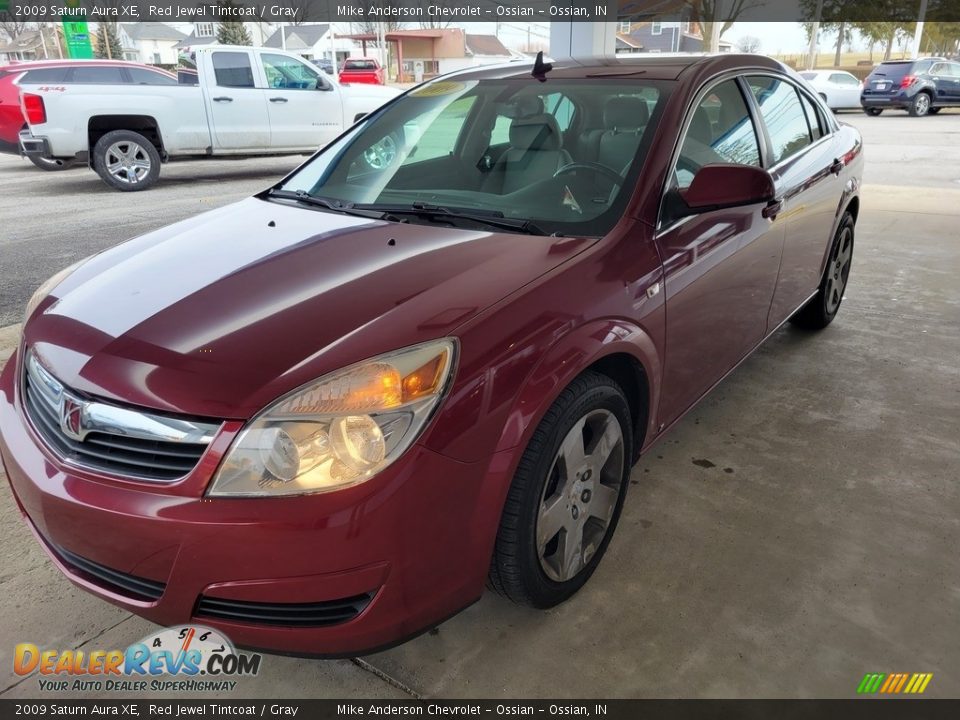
278,99
772,209
837,167
223,99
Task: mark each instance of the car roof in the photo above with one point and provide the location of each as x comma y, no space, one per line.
35,64
659,66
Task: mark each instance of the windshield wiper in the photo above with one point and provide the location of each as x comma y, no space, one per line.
491,218
302,196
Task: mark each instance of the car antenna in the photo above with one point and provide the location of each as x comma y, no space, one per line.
541,68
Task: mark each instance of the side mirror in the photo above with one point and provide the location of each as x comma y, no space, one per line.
724,185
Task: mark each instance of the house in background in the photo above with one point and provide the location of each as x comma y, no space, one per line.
203,33
415,55
32,45
152,43
312,42
662,37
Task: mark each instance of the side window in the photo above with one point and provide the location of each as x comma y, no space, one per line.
91,75
843,79
439,138
44,75
233,69
285,73
814,120
782,114
720,131
561,108
142,76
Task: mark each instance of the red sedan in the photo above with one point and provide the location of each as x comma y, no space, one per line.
323,419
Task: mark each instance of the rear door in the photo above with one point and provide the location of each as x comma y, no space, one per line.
304,110
237,108
802,157
720,267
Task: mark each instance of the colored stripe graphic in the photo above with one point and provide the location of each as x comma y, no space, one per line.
894,683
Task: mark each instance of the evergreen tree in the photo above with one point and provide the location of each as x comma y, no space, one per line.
108,42
232,32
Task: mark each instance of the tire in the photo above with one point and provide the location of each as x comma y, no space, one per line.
822,308
51,164
920,105
933,111
872,111
591,409
126,160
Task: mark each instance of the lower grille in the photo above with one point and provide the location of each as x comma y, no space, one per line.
318,614
134,587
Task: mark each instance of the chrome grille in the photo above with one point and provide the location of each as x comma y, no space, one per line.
110,438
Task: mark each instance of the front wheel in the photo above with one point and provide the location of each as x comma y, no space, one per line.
566,496
920,105
126,160
822,308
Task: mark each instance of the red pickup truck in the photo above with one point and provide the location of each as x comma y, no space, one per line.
363,70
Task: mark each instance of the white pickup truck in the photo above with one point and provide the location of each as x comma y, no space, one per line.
248,101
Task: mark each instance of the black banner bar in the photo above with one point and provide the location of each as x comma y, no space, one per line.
865,708
419,13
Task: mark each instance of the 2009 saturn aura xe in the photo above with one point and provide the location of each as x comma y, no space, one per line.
322,418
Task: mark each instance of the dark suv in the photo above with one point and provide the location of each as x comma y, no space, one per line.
920,87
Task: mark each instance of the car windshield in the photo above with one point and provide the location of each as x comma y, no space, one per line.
558,157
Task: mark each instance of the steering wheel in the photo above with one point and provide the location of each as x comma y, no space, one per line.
593,167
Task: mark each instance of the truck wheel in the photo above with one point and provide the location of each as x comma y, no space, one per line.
126,160
51,164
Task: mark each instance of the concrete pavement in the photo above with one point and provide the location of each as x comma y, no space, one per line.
798,529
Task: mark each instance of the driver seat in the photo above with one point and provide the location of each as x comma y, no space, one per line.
535,153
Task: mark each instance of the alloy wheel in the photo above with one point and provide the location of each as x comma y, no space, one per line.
580,495
922,104
839,269
381,155
128,162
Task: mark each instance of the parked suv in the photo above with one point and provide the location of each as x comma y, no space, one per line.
63,72
920,87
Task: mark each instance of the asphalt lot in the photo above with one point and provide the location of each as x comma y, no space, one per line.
796,530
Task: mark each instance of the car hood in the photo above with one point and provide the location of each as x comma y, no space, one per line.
218,315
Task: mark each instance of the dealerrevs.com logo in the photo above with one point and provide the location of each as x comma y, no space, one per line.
186,658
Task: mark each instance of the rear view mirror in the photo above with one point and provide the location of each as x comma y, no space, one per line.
723,185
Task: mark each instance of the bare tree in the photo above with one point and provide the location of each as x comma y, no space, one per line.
749,44
11,25
708,13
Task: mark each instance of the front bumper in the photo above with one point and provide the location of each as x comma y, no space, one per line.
408,538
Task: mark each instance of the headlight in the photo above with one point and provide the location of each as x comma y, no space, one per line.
340,430
50,284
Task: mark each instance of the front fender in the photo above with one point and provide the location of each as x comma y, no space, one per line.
568,358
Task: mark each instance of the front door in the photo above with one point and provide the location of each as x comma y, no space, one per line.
720,267
804,163
304,110
237,108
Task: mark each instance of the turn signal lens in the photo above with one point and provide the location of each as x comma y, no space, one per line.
340,430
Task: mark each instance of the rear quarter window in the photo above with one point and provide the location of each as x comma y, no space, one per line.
44,75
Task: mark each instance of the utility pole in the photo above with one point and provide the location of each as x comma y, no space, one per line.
814,31
918,33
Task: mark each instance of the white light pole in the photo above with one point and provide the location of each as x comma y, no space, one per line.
918,33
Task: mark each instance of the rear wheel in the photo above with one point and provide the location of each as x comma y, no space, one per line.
872,111
126,160
566,496
822,307
920,105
